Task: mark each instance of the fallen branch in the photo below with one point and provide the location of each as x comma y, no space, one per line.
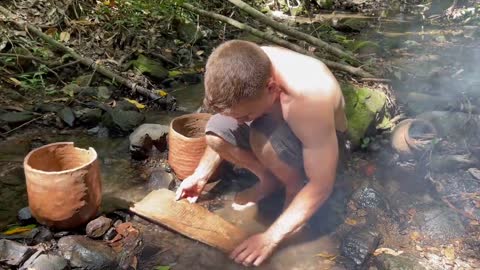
29,57
292,32
86,61
334,65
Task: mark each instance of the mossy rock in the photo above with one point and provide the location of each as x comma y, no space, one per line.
150,67
187,31
325,4
364,109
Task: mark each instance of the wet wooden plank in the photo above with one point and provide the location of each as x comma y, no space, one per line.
191,220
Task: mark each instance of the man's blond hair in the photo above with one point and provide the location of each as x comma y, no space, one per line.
236,70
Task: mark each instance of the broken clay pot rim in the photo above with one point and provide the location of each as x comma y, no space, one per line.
91,151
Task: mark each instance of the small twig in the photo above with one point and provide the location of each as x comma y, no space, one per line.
375,80
26,123
24,57
162,57
465,214
66,65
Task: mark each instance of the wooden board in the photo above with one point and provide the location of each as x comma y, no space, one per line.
191,220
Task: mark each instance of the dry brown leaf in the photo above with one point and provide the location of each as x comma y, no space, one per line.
15,81
415,236
389,251
351,221
418,248
326,256
51,31
449,253
64,36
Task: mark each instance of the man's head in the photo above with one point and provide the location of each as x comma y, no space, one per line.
239,81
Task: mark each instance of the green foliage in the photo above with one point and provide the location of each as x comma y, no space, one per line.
134,13
34,81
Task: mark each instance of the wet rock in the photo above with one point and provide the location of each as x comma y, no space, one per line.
49,262
16,117
43,234
61,234
150,67
24,216
98,227
368,197
110,234
146,136
160,179
93,130
127,243
85,253
13,253
88,116
401,262
359,244
120,122
126,106
438,223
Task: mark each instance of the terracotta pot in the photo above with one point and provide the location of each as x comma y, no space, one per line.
186,142
412,136
63,185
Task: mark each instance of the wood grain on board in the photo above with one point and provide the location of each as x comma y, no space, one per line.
191,220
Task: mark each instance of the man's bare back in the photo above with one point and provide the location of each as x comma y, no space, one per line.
300,75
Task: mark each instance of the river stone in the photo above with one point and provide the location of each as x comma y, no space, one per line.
439,223
88,116
146,136
160,179
16,117
110,234
87,254
121,122
43,234
98,227
24,216
368,197
363,106
150,67
49,262
13,253
359,244
401,262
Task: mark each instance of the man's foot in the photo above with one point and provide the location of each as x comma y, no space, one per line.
253,195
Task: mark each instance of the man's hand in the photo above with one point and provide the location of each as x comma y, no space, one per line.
191,188
255,249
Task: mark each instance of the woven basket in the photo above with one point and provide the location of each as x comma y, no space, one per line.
186,142
63,185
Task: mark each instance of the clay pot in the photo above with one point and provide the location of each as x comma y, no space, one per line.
413,136
63,185
186,142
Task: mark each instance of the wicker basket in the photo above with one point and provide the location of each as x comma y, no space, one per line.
63,185
186,142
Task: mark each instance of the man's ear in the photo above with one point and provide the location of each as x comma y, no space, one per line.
272,86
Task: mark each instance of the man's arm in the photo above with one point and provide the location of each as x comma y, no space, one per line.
313,123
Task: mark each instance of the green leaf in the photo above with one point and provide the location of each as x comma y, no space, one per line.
66,114
19,229
163,267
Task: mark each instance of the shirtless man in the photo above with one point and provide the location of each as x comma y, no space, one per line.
279,114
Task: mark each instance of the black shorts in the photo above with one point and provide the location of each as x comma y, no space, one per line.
285,143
